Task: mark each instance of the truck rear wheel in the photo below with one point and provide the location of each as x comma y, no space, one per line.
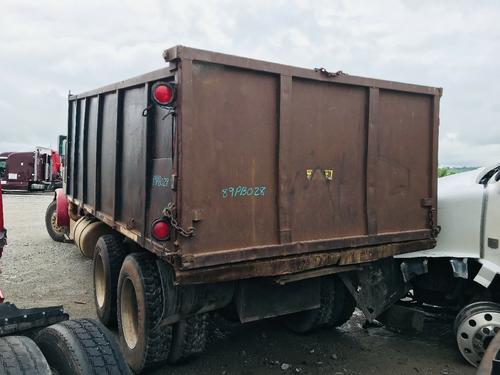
81,347
55,231
189,338
337,306
19,355
108,258
140,309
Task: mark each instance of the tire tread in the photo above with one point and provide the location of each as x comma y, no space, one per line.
19,355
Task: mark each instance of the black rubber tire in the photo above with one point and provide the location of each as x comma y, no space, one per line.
49,213
344,305
189,338
81,347
108,259
337,306
149,344
19,355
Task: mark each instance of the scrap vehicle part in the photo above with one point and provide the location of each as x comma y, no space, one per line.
14,320
475,326
376,287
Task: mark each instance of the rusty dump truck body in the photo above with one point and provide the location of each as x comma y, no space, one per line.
278,169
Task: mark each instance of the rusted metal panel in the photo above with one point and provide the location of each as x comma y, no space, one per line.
236,255
80,150
327,161
108,154
186,53
98,153
404,160
161,156
229,159
132,182
91,152
284,151
267,162
372,155
288,265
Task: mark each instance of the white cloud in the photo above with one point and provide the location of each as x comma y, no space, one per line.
49,47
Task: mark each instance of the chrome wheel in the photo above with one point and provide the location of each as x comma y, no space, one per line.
475,327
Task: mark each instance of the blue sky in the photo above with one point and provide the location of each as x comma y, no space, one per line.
50,47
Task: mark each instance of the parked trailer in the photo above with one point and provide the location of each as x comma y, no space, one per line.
42,341
253,188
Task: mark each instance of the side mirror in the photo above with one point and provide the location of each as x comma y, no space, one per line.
486,174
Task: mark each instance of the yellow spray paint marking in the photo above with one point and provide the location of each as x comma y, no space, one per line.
328,174
309,173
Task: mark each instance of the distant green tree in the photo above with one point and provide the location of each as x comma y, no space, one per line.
442,172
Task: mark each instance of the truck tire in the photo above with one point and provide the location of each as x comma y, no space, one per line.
140,309
108,258
19,355
344,306
55,231
337,306
189,338
81,347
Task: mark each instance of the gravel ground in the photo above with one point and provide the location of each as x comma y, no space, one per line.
37,271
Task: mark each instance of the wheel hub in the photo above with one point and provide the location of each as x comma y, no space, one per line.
475,332
53,223
99,281
129,314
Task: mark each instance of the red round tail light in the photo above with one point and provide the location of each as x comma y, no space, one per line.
163,93
161,230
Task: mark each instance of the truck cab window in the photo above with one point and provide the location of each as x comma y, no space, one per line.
2,168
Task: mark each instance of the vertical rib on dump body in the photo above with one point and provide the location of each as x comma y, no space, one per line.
278,169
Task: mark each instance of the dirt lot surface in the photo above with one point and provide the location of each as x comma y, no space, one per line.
37,271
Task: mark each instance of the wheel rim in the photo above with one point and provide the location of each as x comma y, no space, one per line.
475,332
129,313
53,222
99,281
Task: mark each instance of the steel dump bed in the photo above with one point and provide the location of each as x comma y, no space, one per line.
277,169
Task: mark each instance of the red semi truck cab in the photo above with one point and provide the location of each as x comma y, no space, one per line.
33,170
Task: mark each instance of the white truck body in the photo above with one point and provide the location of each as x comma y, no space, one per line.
469,215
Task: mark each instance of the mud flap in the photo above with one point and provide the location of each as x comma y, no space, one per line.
262,298
376,287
